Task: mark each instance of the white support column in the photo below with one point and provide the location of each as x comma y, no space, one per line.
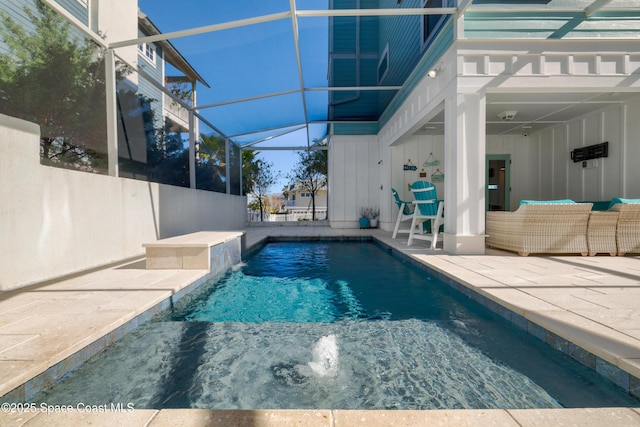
192,149
464,164
194,135
112,112
227,167
240,171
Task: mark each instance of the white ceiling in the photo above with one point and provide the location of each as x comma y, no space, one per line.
535,111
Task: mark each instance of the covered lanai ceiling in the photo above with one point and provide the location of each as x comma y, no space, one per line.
268,64
516,113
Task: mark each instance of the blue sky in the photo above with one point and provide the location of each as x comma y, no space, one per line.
252,61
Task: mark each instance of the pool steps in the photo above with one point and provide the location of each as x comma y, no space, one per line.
222,250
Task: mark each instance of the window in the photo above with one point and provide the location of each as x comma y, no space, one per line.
148,51
305,195
431,23
383,65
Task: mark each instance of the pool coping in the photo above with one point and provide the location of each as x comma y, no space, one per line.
331,417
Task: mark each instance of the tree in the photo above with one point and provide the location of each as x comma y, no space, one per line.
310,174
250,169
55,79
263,180
212,165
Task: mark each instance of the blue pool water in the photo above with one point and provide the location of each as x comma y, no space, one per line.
333,325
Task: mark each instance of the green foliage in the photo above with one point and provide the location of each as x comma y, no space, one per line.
254,205
250,169
212,166
54,77
56,80
182,90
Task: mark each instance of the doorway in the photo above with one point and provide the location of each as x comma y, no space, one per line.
498,182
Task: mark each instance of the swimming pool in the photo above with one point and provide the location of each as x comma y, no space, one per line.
334,325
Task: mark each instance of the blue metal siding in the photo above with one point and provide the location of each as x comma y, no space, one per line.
402,33
354,62
344,34
356,129
77,9
403,36
153,71
15,9
431,57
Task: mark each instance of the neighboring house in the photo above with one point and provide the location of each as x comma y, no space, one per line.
160,64
298,197
499,93
159,59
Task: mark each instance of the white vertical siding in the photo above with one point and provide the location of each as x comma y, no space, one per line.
354,178
542,167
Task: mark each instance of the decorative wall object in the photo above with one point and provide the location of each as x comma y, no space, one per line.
437,176
591,152
431,161
410,166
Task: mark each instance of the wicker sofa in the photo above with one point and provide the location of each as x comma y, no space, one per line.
628,225
554,227
601,232
614,228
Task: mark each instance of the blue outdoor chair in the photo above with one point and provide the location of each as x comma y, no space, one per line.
427,208
405,214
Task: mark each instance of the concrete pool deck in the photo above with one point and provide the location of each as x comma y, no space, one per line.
593,302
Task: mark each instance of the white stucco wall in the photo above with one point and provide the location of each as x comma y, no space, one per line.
54,222
542,169
118,21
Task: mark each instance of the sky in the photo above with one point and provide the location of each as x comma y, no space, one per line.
251,61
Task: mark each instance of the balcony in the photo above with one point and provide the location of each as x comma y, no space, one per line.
177,114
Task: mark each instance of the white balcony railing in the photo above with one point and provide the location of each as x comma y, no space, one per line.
175,112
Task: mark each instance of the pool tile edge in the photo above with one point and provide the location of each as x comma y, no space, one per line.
609,369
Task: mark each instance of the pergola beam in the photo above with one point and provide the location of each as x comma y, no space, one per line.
296,43
378,12
202,30
595,6
293,13
299,148
273,137
292,91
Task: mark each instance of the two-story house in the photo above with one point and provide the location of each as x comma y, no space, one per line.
149,71
490,97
